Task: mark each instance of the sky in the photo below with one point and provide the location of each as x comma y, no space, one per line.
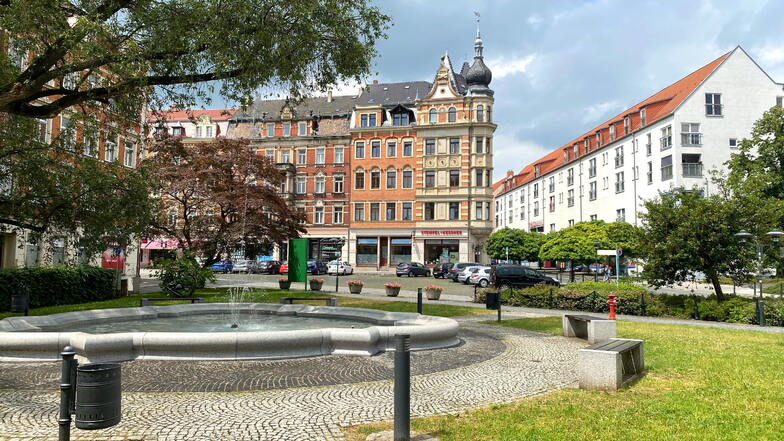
560,67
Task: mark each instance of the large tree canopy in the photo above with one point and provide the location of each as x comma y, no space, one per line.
58,49
575,244
522,245
219,196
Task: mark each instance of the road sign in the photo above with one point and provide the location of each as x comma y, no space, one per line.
606,252
619,251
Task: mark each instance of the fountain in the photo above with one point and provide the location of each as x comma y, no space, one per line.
237,296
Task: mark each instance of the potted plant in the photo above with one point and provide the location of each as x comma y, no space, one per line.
433,292
284,283
315,284
355,286
393,289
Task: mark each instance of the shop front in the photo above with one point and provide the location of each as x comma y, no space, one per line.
325,249
157,250
382,251
442,251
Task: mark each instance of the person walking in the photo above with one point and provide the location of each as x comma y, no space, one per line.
606,272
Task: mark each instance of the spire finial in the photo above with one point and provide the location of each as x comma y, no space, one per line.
478,16
478,41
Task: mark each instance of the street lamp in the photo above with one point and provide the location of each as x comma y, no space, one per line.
596,260
744,237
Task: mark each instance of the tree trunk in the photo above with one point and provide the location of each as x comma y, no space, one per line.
714,279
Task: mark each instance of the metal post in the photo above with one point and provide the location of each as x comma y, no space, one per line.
337,276
67,392
419,300
402,388
499,314
760,311
733,287
642,304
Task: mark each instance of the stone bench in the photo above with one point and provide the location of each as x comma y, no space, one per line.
148,301
331,301
610,364
593,329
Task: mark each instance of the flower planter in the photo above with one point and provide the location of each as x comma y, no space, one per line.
393,291
284,284
315,286
433,294
355,289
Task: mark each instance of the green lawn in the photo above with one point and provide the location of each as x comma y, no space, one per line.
702,384
217,295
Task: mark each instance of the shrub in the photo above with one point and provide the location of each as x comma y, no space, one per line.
434,288
392,285
774,312
182,277
356,283
61,285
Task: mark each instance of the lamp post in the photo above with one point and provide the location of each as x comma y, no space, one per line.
596,260
744,236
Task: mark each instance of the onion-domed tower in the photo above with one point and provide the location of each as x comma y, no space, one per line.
479,76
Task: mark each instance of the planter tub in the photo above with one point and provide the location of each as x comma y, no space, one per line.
355,289
315,286
284,285
392,291
432,294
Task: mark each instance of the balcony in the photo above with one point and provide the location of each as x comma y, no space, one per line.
691,139
666,172
692,170
665,142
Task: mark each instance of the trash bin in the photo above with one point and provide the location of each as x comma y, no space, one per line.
98,393
493,300
20,303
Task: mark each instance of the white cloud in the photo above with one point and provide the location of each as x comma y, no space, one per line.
510,153
535,20
504,66
599,111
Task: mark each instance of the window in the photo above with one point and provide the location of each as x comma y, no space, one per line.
301,185
650,172
285,156
620,215
454,178
478,211
586,146
570,198
605,183
430,209
337,214
90,145
372,120
592,168
619,182
487,210
375,211
406,211
592,191
430,179
270,154
408,148
209,131
537,170
302,128
570,177
359,212
178,131
320,185
391,149
733,143
270,130
337,184
666,168
321,156
552,204
430,146
780,101
612,132
375,149
551,185
391,209
479,174
452,114
598,139
510,200
642,117
301,156
619,157
363,120
666,138
198,132
359,180
560,198
454,146
172,217
594,217
522,213
391,179
375,180
287,129
130,156
552,228
536,208
110,147
713,106
690,134
454,210
648,146
408,179
479,146
536,190
359,151
338,155
318,215
433,116
626,125
400,118
571,222
66,134
480,113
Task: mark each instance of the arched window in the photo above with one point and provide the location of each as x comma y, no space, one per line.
433,116
452,114
480,112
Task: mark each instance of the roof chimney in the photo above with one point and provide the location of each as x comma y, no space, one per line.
329,96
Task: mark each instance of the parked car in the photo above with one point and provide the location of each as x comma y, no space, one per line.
459,266
480,277
441,270
284,267
518,276
411,269
240,266
224,266
338,267
463,276
316,267
268,267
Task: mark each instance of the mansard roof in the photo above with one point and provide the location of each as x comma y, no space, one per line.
392,94
322,106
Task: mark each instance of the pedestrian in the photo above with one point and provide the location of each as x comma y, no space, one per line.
606,272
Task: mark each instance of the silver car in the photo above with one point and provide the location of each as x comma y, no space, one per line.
480,277
462,276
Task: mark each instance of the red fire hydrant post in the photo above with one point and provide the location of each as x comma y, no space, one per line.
611,302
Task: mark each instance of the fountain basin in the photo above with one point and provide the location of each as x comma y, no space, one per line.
43,337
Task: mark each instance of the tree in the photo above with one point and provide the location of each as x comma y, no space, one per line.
685,232
60,50
575,244
625,236
523,245
218,196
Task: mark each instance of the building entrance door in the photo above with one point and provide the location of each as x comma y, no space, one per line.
384,257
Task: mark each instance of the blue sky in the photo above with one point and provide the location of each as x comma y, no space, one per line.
562,66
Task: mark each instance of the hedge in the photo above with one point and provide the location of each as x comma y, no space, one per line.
61,285
636,300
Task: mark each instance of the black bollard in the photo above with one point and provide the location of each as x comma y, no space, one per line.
402,388
419,300
67,393
760,311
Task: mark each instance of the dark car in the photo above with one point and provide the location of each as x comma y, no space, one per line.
457,268
411,269
269,267
503,277
441,270
316,267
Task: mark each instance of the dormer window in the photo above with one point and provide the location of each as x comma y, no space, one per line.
598,139
566,155
642,117
612,132
178,131
586,145
401,116
626,125
536,171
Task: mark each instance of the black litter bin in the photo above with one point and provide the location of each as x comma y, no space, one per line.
98,393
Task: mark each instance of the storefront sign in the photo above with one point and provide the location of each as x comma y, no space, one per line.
442,233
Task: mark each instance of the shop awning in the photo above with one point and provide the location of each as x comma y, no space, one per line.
160,244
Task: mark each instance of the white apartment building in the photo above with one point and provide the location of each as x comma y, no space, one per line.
671,139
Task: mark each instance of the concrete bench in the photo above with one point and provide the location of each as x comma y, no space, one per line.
290,300
148,301
610,364
593,329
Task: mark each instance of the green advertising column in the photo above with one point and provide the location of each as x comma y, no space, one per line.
298,260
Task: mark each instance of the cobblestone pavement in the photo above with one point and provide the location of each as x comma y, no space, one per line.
529,364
